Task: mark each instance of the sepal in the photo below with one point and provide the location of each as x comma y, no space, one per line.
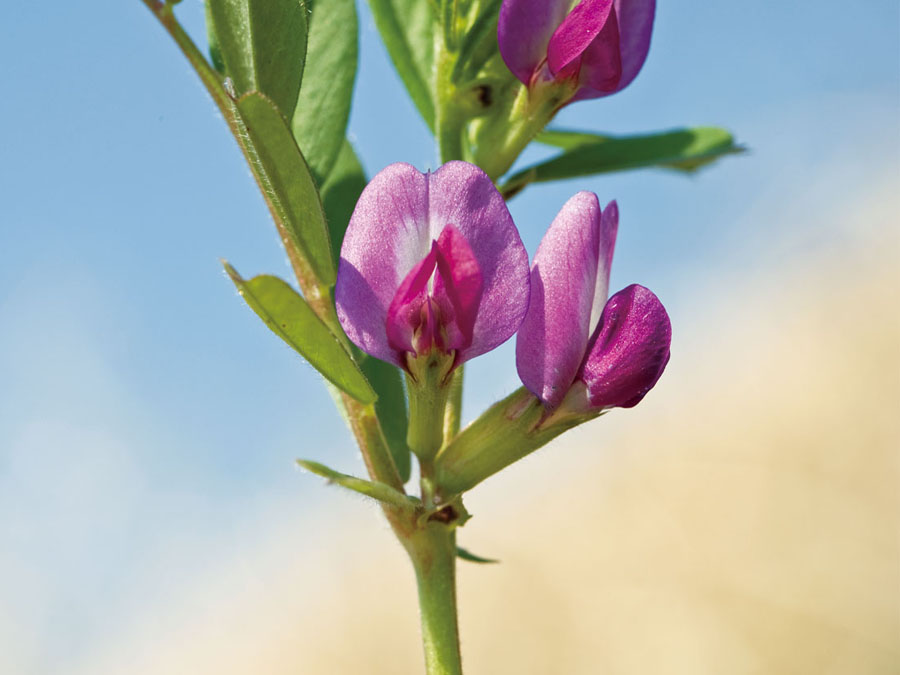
505,433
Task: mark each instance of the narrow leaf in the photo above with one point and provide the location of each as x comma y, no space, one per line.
471,557
340,192
479,42
567,140
287,315
373,489
407,29
287,182
215,52
585,154
320,118
262,44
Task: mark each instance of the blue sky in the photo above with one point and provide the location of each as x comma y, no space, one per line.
143,403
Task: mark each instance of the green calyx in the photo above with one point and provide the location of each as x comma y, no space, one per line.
505,433
429,384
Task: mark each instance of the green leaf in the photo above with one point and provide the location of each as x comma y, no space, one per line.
340,192
588,154
479,42
287,315
263,46
215,52
287,182
320,118
373,489
407,29
568,140
471,557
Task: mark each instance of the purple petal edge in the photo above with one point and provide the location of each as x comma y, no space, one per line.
576,32
635,20
629,350
552,341
387,236
524,28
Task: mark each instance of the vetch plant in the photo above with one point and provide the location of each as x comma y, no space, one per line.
406,278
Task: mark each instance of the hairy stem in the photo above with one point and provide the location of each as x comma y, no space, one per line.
433,554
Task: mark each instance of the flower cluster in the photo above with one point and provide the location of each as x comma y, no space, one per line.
432,263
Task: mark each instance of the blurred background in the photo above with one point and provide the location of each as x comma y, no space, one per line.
742,519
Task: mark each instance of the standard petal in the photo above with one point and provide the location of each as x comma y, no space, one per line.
628,351
462,195
387,236
523,32
553,339
576,32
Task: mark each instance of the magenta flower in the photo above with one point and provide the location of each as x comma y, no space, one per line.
599,45
431,261
617,349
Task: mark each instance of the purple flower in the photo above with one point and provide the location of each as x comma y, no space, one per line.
431,261
616,349
599,46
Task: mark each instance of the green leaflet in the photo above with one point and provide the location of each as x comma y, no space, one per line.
407,29
287,315
320,119
339,195
568,140
479,42
587,154
215,53
262,44
287,183
464,554
373,489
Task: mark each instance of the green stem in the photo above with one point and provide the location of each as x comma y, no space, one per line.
449,118
210,78
433,554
